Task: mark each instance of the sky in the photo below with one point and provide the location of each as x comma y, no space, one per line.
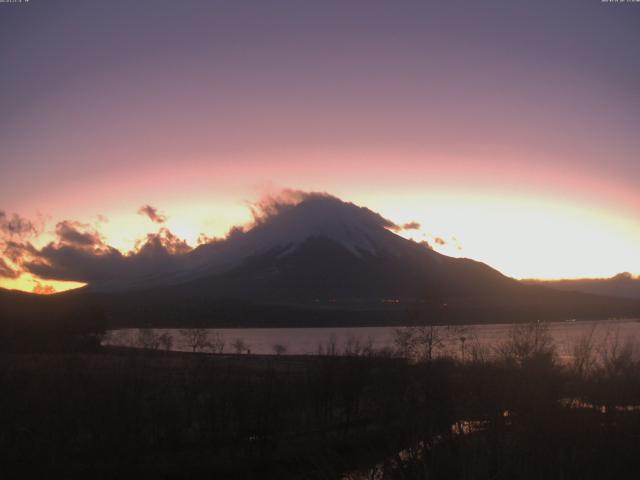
507,129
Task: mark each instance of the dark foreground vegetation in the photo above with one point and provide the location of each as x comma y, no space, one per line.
513,413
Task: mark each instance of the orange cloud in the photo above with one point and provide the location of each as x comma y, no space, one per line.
152,213
411,226
405,226
14,231
43,289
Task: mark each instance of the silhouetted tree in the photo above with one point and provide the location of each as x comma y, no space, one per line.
166,340
239,345
195,338
216,342
419,343
526,343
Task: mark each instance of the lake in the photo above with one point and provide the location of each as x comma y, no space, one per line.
307,341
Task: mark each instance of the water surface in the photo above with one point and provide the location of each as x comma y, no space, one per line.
308,341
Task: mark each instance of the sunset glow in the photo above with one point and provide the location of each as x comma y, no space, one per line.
511,144
560,240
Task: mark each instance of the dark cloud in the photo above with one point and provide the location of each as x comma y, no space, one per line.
270,206
87,259
203,239
79,252
78,234
6,271
235,232
68,262
15,226
162,243
16,251
152,213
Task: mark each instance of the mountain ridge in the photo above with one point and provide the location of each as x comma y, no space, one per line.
621,285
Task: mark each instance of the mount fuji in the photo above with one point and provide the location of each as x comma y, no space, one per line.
323,261
319,248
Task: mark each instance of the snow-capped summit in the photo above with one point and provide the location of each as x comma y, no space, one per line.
358,229
280,229
288,226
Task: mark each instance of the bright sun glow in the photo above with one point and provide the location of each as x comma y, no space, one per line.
521,237
28,283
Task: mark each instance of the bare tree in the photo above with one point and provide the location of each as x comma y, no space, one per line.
616,355
352,347
419,343
331,348
367,348
195,338
239,345
279,349
216,343
460,334
431,339
584,359
478,353
527,343
404,339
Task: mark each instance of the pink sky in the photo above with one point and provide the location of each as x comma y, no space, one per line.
512,128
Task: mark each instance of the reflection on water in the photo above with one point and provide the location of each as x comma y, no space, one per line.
357,340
